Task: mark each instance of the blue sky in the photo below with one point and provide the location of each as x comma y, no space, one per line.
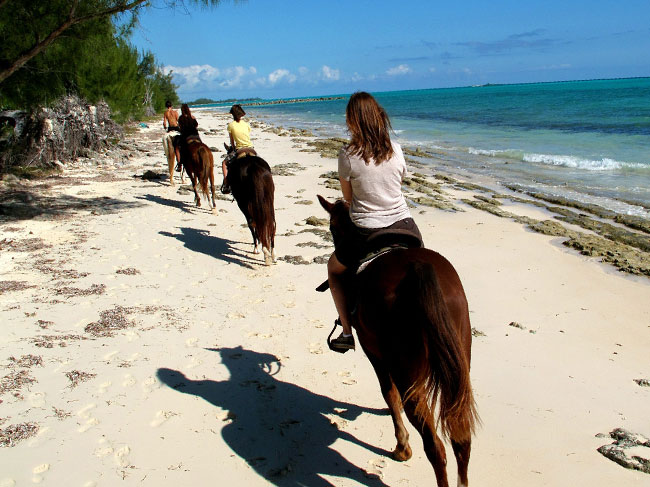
292,48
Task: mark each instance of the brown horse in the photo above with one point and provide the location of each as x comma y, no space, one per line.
252,187
196,158
412,321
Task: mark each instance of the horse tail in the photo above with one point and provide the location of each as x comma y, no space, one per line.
207,166
433,342
262,207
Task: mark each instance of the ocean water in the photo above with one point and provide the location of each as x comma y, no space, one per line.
585,140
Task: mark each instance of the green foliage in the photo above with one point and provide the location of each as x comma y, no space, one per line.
92,59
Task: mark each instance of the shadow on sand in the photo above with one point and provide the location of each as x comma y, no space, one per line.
281,430
220,248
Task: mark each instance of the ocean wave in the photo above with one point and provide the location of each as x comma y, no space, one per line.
604,164
575,162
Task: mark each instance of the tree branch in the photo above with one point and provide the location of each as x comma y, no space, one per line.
71,20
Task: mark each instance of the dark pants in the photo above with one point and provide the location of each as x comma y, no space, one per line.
356,242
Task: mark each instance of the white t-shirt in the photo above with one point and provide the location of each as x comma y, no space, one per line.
377,199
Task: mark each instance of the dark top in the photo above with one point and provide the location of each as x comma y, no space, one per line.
188,126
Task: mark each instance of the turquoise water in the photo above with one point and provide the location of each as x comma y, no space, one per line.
587,140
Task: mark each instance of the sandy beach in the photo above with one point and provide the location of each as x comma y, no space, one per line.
143,343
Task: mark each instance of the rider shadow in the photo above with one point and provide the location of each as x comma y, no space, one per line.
279,429
220,248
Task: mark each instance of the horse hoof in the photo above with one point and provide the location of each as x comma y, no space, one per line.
214,211
402,454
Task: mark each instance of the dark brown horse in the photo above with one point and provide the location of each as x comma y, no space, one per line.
252,187
412,321
196,158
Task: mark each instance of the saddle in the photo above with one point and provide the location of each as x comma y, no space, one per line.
378,244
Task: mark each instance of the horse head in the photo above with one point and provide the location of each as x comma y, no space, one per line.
340,221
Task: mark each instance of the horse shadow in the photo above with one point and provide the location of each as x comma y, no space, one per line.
279,429
181,205
220,248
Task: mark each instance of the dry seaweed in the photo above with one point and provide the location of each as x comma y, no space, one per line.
77,376
287,169
15,433
7,286
109,322
295,259
48,341
14,381
129,271
23,245
95,289
317,222
26,361
324,234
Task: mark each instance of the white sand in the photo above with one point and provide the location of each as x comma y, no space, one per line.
180,398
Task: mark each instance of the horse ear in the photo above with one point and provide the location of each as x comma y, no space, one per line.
226,146
325,204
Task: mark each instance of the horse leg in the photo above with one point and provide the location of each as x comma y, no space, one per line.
433,446
402,451
462,451
197,199
214,205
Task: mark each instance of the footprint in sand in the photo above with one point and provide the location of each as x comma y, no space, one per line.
347,380
104,387
89,420
191,342
149,384
111,355
122,456
131,335
194,362
375,467
7,483
129,380
289,304
37,399
291,287
104,448
315,348
235,315
161,417
38,472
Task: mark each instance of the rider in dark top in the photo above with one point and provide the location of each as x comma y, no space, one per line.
188,127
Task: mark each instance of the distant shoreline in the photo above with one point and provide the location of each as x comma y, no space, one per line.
249,103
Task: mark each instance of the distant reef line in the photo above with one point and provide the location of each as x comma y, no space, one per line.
257,101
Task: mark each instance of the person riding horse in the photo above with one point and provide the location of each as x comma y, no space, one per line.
371,169
187,125
240,140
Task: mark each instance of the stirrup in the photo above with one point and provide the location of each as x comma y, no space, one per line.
330,341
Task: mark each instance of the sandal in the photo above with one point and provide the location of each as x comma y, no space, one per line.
341,344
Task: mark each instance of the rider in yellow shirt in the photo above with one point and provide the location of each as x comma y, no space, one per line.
240,138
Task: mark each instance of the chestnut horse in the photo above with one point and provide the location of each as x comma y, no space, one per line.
196,158
412,320
251,182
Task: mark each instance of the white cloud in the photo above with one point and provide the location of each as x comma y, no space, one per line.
280,75
399,70
205,75
329,73
302,71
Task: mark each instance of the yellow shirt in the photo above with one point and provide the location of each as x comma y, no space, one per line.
241,133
